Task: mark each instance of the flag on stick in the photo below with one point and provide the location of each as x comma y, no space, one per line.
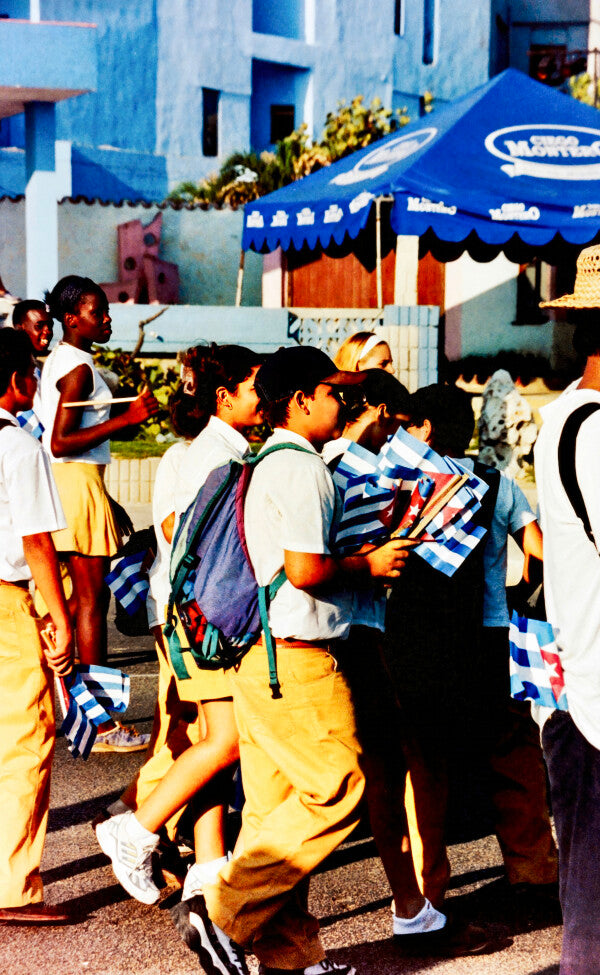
86,693
536,672
400,485
128,582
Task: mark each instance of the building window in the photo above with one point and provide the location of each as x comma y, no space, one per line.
399,17
538,281
210,122
429,30
282,122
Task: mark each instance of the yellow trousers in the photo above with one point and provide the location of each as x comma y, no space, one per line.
26,748
177,725
303,784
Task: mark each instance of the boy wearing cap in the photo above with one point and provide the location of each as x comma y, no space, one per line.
299,753
571,527
29,511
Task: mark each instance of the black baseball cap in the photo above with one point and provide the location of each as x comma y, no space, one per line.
299,367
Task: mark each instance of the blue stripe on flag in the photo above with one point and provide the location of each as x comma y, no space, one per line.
535,667
128,582
90,690
28,421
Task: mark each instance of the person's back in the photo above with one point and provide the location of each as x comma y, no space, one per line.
571,562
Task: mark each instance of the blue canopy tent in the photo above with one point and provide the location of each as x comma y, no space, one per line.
512,166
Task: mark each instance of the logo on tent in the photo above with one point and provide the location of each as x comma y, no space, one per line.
378,161
547,151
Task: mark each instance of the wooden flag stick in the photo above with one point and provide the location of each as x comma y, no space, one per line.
427,515
435,504
101,402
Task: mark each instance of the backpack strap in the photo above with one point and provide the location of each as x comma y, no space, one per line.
566,463
5,423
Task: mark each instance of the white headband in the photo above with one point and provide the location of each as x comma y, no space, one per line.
369,345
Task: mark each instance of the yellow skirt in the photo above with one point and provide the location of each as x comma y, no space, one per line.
91,526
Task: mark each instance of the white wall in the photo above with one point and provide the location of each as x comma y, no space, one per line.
480,306
205,244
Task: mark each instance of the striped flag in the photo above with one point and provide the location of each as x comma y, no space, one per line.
376,489
29,421
536,672
85,694
367,500
128,582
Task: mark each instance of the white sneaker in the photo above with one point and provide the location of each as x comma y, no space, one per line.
131,857
328,967
200,874
218,954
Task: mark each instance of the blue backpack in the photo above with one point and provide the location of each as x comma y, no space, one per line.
214,591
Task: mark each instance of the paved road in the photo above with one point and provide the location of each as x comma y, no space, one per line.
115,935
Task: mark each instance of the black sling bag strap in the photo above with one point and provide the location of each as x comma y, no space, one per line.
566,463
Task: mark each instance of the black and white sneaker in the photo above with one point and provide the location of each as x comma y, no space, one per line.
325,967
218,954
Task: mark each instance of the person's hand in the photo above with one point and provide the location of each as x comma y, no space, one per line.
57,643
388,561
143,407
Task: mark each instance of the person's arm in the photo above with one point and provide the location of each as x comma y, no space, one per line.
168,527
313,573
42,560
530,541
68,437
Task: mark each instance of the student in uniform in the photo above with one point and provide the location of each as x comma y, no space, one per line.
177,724
221,379
77,439
299,753
33,317
30,511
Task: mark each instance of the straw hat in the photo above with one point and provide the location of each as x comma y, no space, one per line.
587,283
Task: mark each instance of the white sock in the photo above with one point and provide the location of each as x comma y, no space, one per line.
117,807
428,919
200,874
137,831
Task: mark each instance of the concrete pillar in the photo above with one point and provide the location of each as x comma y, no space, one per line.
406,271
41,217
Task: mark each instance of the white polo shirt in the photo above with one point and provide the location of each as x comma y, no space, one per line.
214,446
571,562
291,505
163,504
29,501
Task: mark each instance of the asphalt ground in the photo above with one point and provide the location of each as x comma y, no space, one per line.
115,935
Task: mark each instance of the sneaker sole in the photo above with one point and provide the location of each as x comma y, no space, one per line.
211,953
100,746
109,847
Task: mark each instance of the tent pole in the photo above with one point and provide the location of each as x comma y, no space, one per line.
378,251
240,279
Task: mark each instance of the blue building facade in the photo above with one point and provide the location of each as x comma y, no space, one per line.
181,84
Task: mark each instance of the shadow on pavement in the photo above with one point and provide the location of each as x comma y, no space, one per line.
61,817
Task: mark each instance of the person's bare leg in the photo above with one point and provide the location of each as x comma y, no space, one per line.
92,594
209,835
385,801
194,768
92,598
